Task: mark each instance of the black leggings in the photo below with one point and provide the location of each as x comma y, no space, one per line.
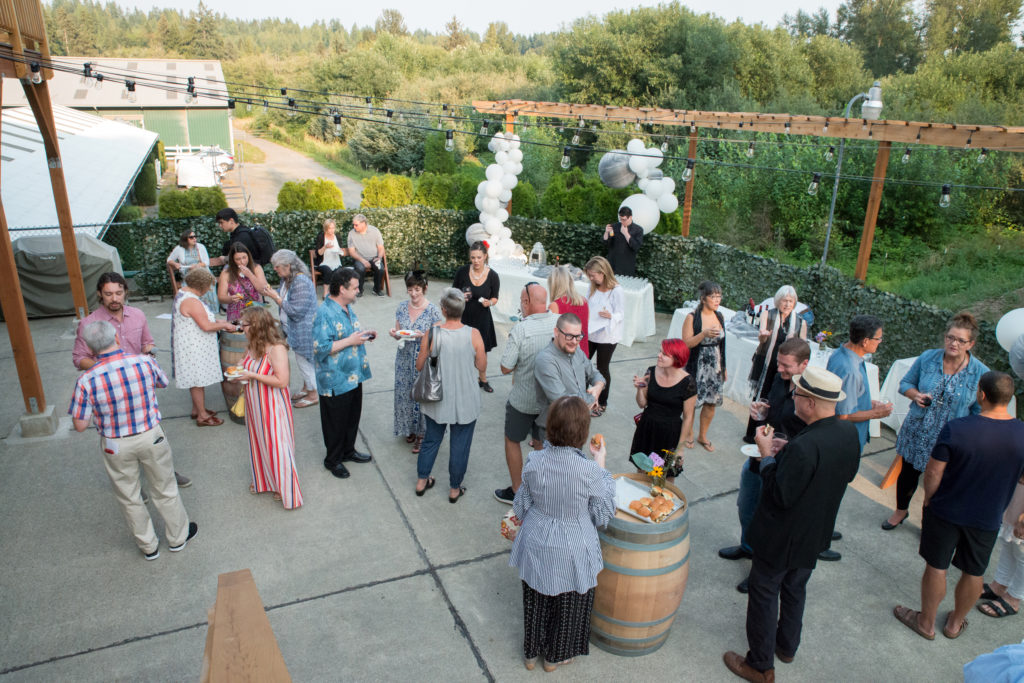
604,358
906,485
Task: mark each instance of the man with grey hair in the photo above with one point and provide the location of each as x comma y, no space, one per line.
119,393
562,369
366,248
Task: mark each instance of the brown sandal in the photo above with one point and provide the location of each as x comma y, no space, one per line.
211,421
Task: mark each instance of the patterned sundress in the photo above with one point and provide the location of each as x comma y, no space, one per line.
268,418
408,418
247,289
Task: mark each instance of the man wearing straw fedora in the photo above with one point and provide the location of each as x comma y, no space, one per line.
802,487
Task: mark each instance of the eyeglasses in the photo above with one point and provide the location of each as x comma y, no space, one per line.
877,339
957,340
570,337
794,395
191,237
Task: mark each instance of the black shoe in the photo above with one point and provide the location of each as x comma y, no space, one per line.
744,586
829,556
486,386
889,527
193,529
378,292
837,536
734,552
340,471
356,456
153,555
506,495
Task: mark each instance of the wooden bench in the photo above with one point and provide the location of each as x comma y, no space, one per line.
240,645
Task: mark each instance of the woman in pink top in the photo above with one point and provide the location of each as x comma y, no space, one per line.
565,299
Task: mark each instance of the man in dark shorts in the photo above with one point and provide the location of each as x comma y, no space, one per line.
527,338
972,473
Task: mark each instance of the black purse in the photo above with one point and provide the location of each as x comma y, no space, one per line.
427,387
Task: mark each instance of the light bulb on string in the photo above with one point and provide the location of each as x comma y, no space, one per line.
983,156
565,158
291,105
789,128
129,88
485,127
231,103
637,127
824,129
369,105
337,124
906,156
449,140
970,137
830,153
248,105
439,125
688,171
664,146
389,114
750,151
576,137
36,73
812,189
693,126
945,199
99,81
593,128
87,74
266,107
284,92
917,140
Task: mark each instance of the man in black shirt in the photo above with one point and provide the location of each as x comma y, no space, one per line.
793,357
623,240
227,220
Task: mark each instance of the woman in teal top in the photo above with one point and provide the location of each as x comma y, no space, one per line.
942,385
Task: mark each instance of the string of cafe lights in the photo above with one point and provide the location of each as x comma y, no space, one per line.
291,105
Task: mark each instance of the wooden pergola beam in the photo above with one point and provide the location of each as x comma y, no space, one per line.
1008,138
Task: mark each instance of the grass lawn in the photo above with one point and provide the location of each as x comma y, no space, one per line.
249,154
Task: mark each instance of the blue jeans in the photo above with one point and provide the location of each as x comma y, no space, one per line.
747,499
458,453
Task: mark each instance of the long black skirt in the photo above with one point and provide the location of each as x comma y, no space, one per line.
557,626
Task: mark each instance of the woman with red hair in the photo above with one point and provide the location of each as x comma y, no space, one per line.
668,394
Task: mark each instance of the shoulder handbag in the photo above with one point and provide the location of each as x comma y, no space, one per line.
427,387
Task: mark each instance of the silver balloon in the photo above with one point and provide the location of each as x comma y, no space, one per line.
614,169
655,174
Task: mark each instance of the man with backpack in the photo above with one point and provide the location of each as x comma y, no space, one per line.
257,240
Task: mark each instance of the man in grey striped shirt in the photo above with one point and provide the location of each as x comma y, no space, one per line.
562,369
527,338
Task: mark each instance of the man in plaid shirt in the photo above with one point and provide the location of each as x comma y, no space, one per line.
119,393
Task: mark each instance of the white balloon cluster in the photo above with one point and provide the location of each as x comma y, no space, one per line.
493,195
619,168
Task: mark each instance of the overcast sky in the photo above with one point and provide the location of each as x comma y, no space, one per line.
524,16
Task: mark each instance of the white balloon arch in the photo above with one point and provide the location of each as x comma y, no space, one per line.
494,194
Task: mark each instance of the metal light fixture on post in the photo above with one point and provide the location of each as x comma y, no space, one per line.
870,110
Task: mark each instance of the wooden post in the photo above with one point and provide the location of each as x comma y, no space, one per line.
38,97
13,306
871,216
688,192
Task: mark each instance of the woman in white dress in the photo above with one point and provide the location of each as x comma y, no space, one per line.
194,350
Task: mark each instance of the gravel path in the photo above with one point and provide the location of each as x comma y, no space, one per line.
263,181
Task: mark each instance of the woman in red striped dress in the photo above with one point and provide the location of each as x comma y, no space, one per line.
268,412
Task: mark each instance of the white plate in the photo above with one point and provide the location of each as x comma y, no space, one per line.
406,333
628,490
232,375
750,450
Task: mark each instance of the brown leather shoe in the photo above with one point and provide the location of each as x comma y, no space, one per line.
737,664
788,659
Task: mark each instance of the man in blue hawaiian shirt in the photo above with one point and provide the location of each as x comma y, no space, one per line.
341,368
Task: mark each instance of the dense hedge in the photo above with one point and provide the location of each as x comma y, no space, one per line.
675,265
195,201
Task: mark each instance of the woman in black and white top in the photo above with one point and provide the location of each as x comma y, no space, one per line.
565,497
328,252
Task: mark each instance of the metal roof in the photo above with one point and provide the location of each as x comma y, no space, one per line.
68,90
101,159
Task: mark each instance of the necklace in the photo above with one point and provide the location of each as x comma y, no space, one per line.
478,279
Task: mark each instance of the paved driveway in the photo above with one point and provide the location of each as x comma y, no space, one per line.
262,182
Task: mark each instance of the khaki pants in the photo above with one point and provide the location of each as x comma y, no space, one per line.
149,450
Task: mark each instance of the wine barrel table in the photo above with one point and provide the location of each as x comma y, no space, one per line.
232,351
644,577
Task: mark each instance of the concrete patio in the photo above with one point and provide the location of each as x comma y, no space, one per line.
367,582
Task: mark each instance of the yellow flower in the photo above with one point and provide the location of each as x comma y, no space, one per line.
657,472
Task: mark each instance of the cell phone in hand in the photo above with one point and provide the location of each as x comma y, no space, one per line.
370,336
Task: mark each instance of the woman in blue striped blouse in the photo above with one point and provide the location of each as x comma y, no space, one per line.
564,498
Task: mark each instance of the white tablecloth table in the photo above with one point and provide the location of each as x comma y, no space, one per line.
901,404
638,297
739,354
